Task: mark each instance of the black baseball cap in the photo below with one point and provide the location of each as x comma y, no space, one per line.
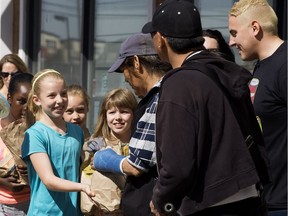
177,19
138,44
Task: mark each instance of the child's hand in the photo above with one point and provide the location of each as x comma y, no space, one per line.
95,144
86,189
22,169
11,183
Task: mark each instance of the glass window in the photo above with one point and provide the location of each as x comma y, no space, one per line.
114,22
60,38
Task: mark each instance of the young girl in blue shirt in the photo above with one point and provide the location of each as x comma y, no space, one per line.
52,148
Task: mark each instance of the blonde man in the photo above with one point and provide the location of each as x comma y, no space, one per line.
253,31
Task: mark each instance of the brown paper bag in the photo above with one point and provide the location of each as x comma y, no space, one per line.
86,203
13,135
106,186
107,189
7,164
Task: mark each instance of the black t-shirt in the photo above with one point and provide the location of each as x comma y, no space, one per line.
270,104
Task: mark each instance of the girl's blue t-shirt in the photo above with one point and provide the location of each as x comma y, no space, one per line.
64,153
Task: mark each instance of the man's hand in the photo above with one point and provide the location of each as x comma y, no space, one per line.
154,210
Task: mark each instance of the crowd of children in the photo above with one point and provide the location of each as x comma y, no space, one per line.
49,120
50,164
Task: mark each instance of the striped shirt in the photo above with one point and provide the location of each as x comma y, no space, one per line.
142,145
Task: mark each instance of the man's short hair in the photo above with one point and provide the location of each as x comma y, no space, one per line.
153,64
258,10
185,45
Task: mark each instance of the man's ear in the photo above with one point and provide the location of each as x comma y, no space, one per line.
136,63
138,68
256,28
160,40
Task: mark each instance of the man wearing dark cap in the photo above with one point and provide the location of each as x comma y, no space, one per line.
143,70
210,154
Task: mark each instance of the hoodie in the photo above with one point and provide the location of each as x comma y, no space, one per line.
202,156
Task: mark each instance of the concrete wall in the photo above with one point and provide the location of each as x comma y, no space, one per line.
6,27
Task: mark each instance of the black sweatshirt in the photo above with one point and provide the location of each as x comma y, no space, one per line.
202,156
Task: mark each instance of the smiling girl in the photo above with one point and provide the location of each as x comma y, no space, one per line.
52,148
78,107
112,131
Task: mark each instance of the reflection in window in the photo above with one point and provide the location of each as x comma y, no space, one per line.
114,22
51,44
60,37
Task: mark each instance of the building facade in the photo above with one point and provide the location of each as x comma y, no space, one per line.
81,38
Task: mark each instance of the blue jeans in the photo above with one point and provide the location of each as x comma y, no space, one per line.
277,213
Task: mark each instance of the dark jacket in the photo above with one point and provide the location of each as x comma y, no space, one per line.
202,156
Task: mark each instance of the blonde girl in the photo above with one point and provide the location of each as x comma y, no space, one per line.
52,148
78,107
112,131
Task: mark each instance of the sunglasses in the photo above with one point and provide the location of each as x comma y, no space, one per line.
6,74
